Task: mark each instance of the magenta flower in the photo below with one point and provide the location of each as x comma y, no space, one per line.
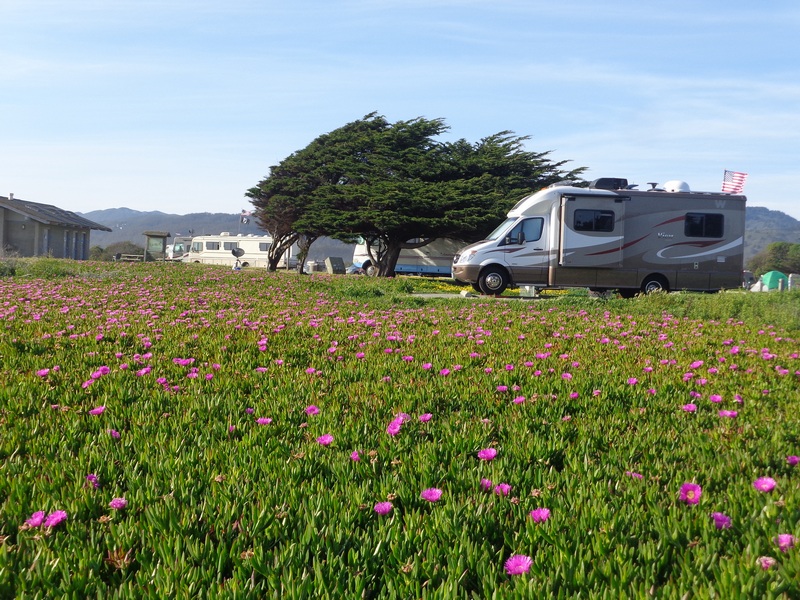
793,460
383,508
689,407
354,456
632,381
118,503
113,433
424,418
431,494
540,515
634,475
325,440
690,493
766,562
98,410
55,518
518,564
43,372
394,427
263,420
487,453
764,484
502,489
36,519
486,484
249,410
721,521
784,541
312,410
519,400
730,414
93,479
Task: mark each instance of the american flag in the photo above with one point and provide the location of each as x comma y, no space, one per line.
733,182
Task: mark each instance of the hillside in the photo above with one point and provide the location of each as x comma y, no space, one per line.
763,227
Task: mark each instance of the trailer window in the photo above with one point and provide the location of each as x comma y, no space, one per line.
263,246
594,220
197,246
212,245
229,245
704,225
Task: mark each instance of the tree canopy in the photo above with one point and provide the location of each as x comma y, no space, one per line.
396,186
778,256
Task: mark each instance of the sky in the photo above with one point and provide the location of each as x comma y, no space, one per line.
183,105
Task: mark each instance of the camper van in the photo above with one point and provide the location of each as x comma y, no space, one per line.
236,251
178,248
612,236
433,259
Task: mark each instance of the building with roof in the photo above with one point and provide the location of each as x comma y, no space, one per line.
34,229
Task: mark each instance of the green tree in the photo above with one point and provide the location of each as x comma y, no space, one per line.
778,256
396,186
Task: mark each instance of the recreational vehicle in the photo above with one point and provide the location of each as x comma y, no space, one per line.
433,259
236,251
179,247
612,236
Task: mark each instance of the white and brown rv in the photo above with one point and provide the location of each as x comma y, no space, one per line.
612,236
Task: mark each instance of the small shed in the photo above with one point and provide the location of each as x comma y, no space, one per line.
34,229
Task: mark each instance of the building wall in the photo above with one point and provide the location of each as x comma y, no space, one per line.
24,237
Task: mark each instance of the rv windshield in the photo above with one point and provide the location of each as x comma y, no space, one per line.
501,229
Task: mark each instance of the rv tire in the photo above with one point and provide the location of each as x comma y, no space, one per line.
628,293
654,283
476,287
493,281
370,270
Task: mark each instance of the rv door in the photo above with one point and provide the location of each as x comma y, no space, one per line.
592,231
526,251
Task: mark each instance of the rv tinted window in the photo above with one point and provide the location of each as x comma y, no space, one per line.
212,245
263,246
197,246
704,225
229,245
594,220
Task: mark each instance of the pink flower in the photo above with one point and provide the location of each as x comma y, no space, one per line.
93,479
793,460
518,564
519,399
354,456
766,562
312,410
486,484
690,493
784,541
118,503
36,519
98,411
394,427
263,420
764,484
113,433
540,515
721,521
634,475
431,494
43,372
716,398
632,381
383,508
487,453
730,414
55,518
502,489
424,418
689,407
325,440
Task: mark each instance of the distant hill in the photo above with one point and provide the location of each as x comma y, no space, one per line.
763,227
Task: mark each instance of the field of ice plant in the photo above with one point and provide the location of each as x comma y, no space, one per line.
172,431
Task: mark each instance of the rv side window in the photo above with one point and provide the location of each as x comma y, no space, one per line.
531,230
197,246
704,225
229,245
212,245
263,246
594,220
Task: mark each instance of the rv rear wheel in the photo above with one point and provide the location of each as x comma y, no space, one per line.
493,281
371,270
654,283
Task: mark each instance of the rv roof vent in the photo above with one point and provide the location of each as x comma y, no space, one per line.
676,186
224,233
609,183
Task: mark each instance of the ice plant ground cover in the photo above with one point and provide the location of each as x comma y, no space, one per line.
157,439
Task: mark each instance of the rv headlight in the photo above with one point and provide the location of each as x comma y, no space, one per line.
467,256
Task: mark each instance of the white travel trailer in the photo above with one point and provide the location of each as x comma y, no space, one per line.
611,236
236,250
433,259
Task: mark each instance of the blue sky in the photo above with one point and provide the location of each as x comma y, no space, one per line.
182,105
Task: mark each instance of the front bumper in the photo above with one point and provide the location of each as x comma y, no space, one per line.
466,273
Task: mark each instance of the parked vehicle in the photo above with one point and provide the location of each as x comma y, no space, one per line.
433,259
612,236
237,251
178,248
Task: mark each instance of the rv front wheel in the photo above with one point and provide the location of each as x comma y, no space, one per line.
493,281
371,270
655,283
